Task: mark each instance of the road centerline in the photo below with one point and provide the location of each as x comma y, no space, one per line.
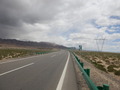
16,69
60,84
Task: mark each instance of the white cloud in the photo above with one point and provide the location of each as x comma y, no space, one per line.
67,22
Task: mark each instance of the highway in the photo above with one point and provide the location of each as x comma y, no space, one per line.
52,71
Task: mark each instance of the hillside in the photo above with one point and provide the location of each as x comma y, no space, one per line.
14,42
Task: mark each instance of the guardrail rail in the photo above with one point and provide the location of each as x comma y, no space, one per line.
86,75
43,52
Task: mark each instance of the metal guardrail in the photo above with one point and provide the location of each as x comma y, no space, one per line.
86,75
43,52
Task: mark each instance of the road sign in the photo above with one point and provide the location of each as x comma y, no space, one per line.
80,47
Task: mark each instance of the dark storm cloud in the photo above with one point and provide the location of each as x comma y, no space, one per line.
9,12
13,13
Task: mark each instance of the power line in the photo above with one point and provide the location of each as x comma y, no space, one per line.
98,40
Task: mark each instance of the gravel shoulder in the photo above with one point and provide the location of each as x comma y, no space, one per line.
82,85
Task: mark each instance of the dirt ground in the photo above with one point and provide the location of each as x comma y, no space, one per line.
97,76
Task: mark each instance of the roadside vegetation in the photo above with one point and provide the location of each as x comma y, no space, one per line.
15,53
105,61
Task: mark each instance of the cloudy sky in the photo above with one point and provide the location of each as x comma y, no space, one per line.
66,22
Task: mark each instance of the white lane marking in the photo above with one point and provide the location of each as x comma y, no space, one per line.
60,84
18,59
53,55
16,69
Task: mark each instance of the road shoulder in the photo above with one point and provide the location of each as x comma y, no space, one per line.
70,82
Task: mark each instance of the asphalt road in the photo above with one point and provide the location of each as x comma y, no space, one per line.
53,71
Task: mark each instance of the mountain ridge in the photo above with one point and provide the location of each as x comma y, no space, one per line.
30,43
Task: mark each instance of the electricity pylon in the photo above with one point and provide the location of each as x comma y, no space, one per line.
102,44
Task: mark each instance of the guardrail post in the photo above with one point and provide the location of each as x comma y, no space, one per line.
105,87
100,88
82,64
87,71
76,57
78,61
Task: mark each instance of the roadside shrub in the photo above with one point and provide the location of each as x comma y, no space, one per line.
117,72
14,53
101,67
111,59
99,62
111,68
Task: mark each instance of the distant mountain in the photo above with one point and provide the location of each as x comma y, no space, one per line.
30,44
